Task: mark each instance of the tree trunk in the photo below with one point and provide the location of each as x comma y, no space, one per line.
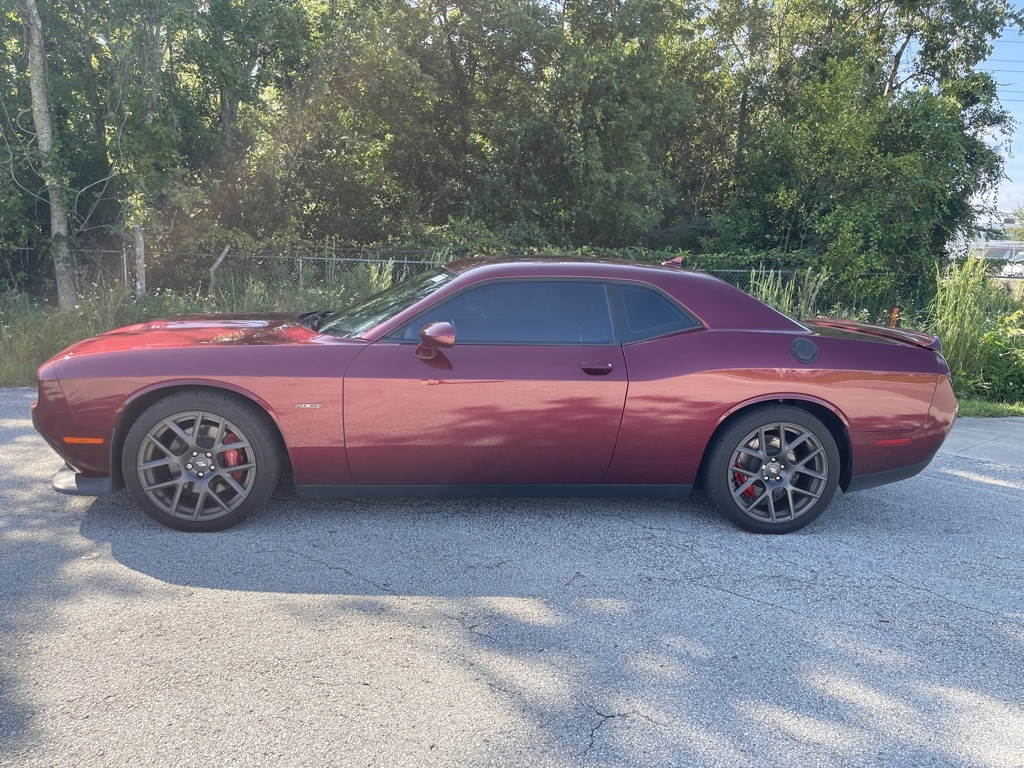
93,94
228,116
894,70
229,107
741,134
139,248
63,266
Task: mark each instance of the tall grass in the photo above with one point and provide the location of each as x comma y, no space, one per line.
32,332
382,275
795,295
968,306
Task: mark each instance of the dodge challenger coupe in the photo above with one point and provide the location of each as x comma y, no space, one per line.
532,377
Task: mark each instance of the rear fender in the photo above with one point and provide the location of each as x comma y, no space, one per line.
833,418
785,397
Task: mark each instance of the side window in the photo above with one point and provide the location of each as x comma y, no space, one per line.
645,314
524,312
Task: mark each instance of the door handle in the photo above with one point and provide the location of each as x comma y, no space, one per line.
596,367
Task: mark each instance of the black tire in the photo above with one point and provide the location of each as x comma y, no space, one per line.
201,461
774,470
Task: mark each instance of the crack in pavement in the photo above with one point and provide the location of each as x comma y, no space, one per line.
947,598
381,587
593,731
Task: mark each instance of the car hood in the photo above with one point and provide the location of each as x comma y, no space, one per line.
198,331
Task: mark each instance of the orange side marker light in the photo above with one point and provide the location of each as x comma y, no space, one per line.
83,440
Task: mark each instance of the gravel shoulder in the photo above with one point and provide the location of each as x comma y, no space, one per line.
512,632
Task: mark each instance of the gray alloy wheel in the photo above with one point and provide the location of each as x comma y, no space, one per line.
201,461
774,470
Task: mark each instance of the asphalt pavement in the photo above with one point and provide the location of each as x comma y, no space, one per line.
517,632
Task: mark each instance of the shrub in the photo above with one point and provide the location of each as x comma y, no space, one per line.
966,310
1003,360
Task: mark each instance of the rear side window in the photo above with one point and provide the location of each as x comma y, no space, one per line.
643,313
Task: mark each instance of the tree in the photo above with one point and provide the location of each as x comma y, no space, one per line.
853,134
50,165
868,145
1016,232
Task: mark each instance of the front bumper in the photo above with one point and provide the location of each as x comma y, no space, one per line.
76,484
56,423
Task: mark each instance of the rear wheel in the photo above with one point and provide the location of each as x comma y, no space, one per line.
774,470
201,461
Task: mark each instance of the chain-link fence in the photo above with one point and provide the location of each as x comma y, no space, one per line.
203,272
358,270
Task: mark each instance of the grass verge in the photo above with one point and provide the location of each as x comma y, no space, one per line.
976,407
32,332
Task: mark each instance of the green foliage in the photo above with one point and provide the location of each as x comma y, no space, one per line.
850,137
382,275
980,408
869,183
1016,232
795,296
32,331
980,328
1003,361
960,320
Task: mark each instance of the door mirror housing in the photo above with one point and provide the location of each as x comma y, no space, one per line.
435,336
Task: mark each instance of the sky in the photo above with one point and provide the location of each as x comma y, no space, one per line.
1007,65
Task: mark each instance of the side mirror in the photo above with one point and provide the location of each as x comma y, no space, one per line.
435,336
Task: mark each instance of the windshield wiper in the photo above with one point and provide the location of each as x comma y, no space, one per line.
313,320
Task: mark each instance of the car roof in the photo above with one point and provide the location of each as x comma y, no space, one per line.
569,264
713,301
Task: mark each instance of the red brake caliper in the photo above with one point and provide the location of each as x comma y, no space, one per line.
232,456
739,479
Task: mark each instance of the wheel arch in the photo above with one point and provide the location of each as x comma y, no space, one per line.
827,414
144,398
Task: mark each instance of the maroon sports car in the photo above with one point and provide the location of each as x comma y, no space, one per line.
494,378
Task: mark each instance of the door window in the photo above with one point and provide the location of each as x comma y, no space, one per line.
524,312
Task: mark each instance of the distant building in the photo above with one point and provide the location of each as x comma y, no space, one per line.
1004,250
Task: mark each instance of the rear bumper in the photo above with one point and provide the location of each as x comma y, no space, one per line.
887,457
76,484
883,478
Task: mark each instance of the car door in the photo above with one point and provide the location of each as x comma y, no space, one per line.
532,392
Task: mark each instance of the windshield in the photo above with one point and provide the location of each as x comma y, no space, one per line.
359,318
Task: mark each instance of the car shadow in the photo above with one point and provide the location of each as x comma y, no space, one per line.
661,634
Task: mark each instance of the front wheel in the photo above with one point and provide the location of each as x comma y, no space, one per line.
774,470
200,461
